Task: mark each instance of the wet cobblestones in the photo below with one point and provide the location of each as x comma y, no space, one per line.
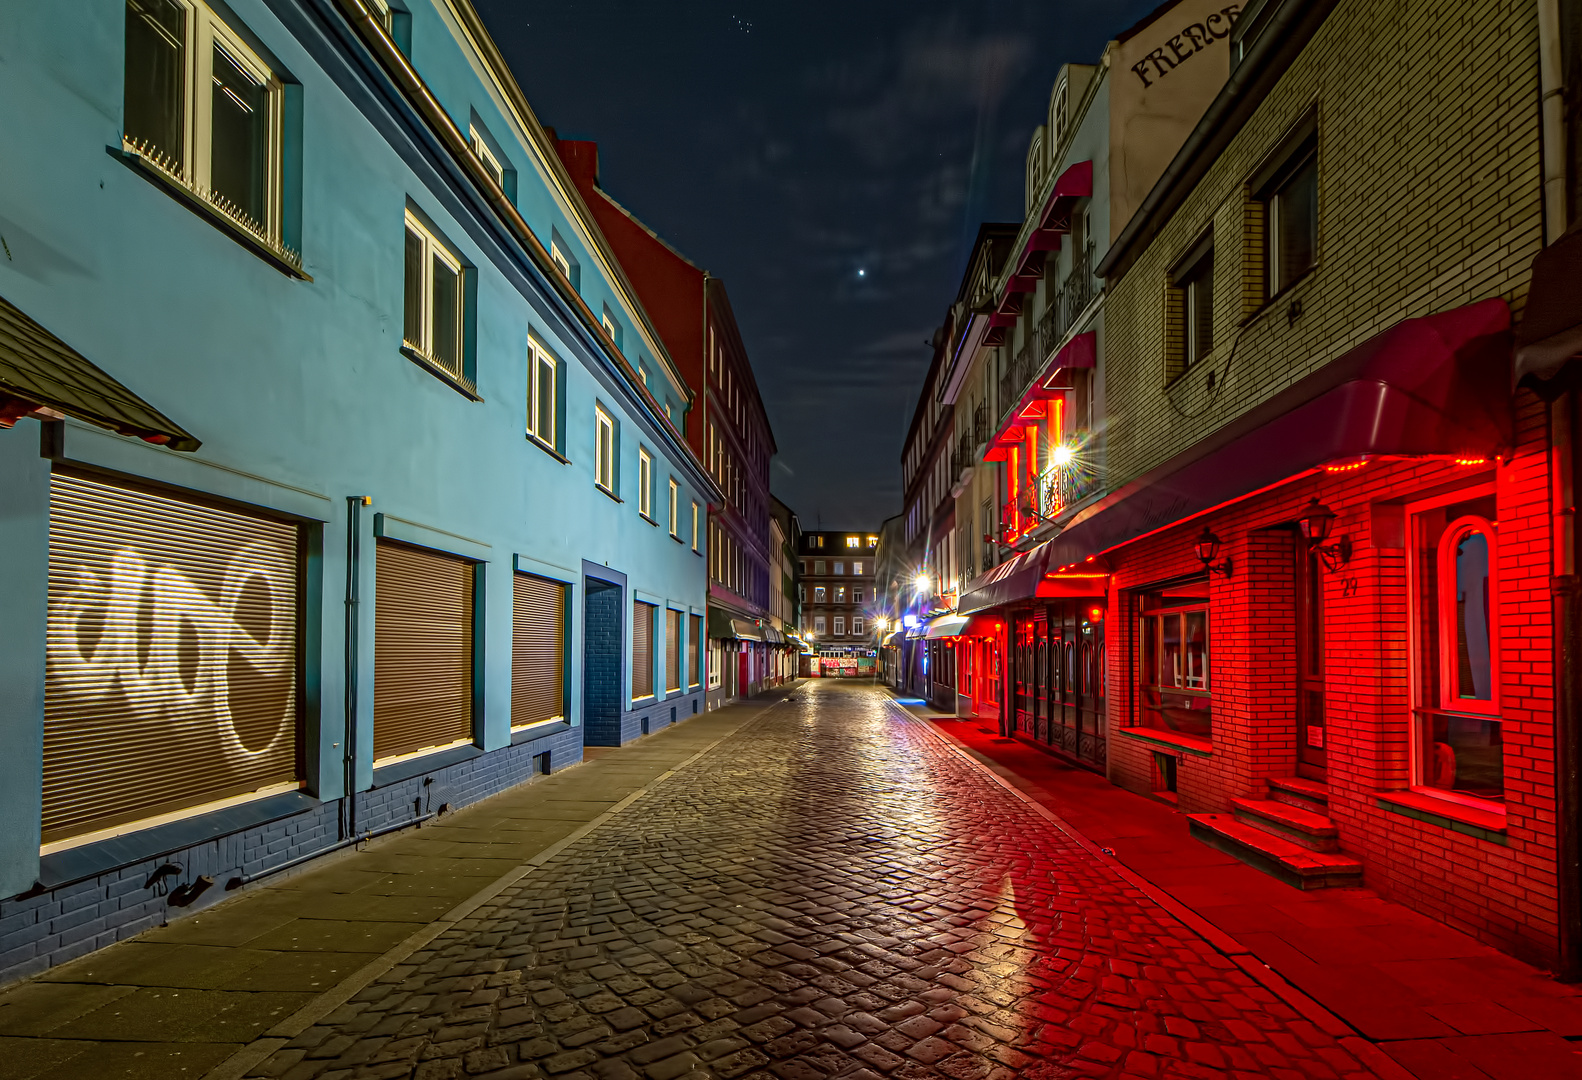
830,892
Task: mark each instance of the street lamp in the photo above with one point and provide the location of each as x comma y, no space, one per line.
1315,523
921,583
1207,549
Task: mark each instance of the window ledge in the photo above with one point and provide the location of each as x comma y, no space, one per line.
550,450
433,761
465,387
279,256
1469,820
530,732
1192,745
677,539
607,493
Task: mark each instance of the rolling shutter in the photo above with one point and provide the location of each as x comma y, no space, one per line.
672,650
422,650
538,650
642,649
171,676
694,673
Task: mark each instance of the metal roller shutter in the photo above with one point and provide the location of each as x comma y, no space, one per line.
422,650
171,676
538,650
697,646
642,649
672,650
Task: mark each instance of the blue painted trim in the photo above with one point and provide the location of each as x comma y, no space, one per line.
91,860
390,527
526,564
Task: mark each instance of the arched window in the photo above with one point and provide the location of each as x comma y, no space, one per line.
1035,167
1453,580
1058,109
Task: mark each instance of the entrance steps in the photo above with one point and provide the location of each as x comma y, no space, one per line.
1288,835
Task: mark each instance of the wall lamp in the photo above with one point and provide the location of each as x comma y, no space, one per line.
1207,548
1316,522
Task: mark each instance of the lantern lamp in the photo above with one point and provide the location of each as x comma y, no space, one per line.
1207,549
1316,523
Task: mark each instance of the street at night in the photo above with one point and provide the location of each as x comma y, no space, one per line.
548,540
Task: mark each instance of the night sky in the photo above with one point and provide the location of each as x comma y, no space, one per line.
831,161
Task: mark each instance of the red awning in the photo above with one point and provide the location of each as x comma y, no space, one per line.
1551,331
1014,580
1432,387
1080,352
1053,219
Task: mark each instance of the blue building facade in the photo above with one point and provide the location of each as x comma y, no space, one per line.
426,523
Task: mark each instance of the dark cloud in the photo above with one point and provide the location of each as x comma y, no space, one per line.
785,147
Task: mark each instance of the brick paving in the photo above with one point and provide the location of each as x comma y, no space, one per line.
830,892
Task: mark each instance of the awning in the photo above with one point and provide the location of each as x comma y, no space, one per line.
1438,386
893,637
946,626
1551,331
1010,581
1080,352
38,369
1076,182
722,626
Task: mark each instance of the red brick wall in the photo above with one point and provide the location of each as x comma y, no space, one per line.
1503,893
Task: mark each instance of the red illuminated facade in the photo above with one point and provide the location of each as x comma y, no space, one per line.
730,433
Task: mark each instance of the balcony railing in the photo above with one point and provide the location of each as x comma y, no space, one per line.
964,456
980,424
1060,312
1059,487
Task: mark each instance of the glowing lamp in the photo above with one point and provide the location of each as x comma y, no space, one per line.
1315,522
1062,455
909,621
921,583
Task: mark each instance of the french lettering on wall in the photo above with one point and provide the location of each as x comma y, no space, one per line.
1193,39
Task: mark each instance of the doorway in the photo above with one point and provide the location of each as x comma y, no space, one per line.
1311,755
602,658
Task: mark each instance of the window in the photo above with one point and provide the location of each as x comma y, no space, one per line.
840,568
642,373
205,112
840,626
716,664
1197,299
818,567
675,510
558,257
820,594
840,594
538,651
611,327
673,646
642,650
856,624
1291,215
1454,604
856,567
695,657
856,596
645,483
1173,660
818,625
486,158
543,402
604,450
432,327
695,518
853,541
873,541
381,10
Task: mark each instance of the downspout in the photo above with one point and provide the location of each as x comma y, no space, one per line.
354,518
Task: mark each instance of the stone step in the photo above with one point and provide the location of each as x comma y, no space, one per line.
1314,831
1277,857
1298,791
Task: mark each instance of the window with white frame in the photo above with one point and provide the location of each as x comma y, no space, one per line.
840,594
206,112
840,569
604,450
381,10
486,157
856,566
611,327
820,594
1453,605
856,596
818,625
716,664
543,401
696,516
645,483
856,624
1290,200
433,309
818,567
840,626
675,510
853,541
558,257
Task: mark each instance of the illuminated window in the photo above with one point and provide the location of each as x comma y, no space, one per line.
820,594
675,510
873,541
612,328
1173,661
432,326
1454,601
853,541
543,401
205,112
565,262
381,10
840,594
856,566
486,158
645,483
604,450
695,527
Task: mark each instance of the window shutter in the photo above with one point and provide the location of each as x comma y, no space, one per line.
538,650
172,670
672,650
423,678
642,649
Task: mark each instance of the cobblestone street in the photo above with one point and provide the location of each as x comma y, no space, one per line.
829,892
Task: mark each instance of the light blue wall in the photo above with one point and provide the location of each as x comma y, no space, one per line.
298,388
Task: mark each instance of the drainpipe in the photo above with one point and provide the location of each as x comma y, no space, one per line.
354,539
1567,586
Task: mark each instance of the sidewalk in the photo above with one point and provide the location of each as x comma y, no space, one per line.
256,970
1440,1003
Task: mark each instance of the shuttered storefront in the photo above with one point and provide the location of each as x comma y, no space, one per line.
538,650
693,676
172,670
423,667
672,650
642,650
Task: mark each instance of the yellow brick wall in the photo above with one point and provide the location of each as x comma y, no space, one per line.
1429,198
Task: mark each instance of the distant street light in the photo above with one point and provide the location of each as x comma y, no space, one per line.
922,583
